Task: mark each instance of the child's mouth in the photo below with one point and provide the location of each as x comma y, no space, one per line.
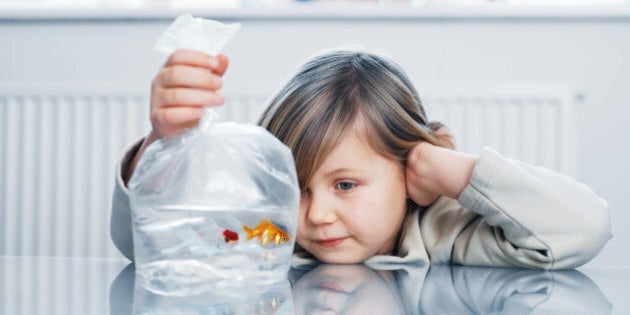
331,242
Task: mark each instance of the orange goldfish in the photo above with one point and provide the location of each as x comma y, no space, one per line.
267,232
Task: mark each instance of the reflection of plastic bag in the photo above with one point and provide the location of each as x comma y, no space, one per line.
275,298
213,207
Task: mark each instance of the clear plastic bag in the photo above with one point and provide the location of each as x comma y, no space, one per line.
196,34
212,208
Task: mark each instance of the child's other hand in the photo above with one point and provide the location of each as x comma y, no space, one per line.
186,83
433,171
421,187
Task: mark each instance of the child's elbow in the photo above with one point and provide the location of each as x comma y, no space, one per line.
588,240
598,231
124,244
121,232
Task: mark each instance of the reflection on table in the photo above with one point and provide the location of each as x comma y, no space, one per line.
445,289
358,289
127,296
95,286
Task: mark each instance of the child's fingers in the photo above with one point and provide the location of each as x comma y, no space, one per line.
217,64
187,76
172,121
182,88
223,63
188,97
189,57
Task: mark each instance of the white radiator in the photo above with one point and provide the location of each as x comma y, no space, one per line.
58,152
533,123
58,156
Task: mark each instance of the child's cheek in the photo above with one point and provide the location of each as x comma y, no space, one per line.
300,242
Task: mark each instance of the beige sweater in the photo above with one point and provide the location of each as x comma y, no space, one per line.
511,214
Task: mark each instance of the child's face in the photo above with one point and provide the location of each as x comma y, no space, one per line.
354,205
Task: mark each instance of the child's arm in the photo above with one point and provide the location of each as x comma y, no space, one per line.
188,81
512,214
120,224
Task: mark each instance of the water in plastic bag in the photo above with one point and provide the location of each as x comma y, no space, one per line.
215,207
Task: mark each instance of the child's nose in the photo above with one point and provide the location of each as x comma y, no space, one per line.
320,210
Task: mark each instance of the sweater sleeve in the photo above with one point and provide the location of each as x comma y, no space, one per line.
120,226
516,215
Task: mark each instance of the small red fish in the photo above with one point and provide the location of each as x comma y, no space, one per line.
230,236
267,232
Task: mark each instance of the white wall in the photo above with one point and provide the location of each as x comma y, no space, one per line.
590,54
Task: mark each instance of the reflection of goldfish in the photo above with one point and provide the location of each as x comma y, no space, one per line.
269,303
267,232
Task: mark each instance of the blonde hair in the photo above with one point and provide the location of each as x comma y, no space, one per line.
323,100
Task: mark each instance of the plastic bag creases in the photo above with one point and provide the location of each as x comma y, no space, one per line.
217,165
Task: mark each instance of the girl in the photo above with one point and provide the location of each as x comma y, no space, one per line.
380,183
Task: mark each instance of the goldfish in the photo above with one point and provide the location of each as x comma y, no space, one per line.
230,236
267,232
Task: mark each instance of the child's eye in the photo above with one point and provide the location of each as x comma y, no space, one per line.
345,185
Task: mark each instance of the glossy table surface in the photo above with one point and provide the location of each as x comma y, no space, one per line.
45,285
